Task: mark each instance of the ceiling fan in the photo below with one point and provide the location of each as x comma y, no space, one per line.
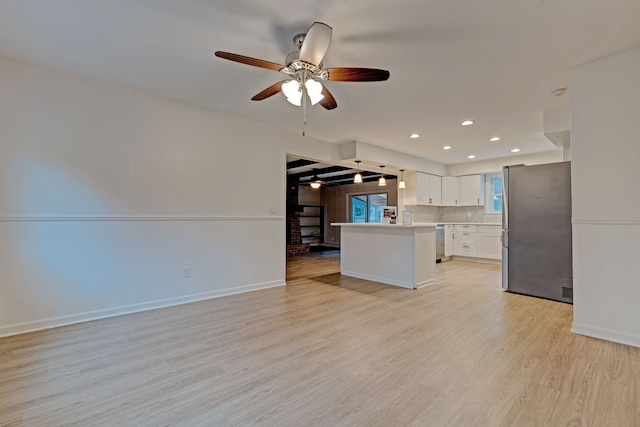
305,71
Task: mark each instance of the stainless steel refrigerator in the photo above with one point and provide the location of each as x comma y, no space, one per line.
536,235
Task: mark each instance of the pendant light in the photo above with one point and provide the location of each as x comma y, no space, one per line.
357,179
401,184
382,182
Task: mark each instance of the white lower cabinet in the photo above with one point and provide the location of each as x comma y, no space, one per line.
489,241
466,243
473,241
448,240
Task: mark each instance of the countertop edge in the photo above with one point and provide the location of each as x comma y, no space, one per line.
414,225
378,225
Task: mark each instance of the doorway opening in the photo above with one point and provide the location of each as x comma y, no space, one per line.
312,209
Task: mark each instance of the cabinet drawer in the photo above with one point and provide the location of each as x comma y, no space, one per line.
466,238
465,227
465,250
448,228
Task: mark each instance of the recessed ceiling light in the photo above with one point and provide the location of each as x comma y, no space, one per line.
446,147
494,139
471,156
414,135
515,150
467,123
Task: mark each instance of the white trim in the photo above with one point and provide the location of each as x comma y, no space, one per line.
383,280
488,192
138,218
614,221
476,260
424,283
54,322
606,334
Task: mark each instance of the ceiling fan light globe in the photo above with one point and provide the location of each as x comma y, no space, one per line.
315,184
295,100
314,90
315,98
291,89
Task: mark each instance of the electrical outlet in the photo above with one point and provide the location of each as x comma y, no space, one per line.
187,272
273,211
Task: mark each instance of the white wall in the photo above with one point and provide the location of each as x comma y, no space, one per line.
606,200
106,193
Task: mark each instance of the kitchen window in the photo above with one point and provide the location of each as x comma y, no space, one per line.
493,195
367,207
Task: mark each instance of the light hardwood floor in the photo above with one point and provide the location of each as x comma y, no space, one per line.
327,350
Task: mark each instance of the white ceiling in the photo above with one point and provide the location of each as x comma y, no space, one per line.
494,61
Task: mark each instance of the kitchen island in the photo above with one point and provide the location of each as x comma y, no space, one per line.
399,255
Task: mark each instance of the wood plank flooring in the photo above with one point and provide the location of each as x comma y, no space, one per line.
327,350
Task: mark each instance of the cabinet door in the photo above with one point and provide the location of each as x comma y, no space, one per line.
422,188
450,189
489,243
448,243
435,190
471,190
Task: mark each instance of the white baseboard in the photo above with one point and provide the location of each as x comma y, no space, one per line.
372,278
54,322
478,260
606,334
425,283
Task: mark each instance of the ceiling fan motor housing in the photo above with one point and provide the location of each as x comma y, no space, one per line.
298,39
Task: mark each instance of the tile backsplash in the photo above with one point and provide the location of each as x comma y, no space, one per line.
452,214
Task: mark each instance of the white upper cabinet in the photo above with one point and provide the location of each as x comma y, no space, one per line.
435,190
422,189
432,190
450,190
471,191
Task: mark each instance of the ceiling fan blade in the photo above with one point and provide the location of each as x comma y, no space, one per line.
356,74
316,43
270,91
249,61
328,102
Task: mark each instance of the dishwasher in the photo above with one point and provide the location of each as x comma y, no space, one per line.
439,243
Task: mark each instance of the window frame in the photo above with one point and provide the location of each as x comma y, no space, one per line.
366,194
489,179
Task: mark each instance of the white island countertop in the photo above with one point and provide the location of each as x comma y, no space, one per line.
471,223
378,225
414,225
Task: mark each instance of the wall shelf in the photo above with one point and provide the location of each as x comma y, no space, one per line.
312,224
